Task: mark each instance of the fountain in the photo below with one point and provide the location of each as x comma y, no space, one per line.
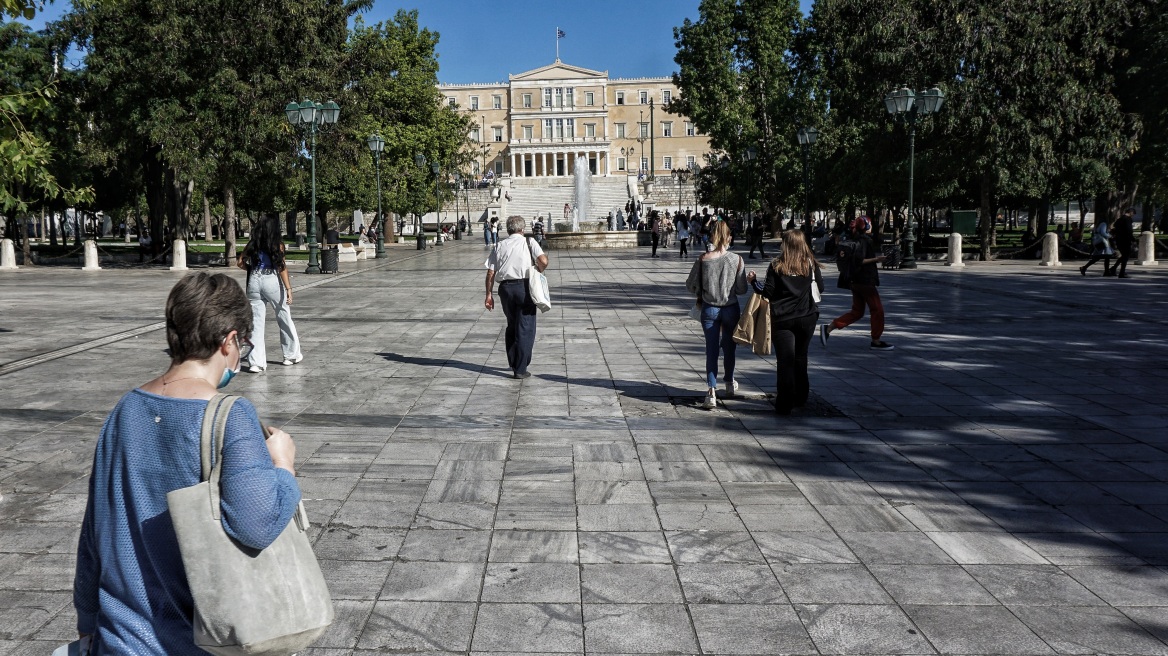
582,182
583,230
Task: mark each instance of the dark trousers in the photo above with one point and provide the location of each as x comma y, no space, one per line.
520,312
791,338
684,251
1125,251
656,240
1095,258
757,243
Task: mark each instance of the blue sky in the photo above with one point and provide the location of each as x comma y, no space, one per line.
486,41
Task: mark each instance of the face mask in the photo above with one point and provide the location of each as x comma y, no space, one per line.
229,373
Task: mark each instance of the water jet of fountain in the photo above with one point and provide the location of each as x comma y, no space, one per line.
583,191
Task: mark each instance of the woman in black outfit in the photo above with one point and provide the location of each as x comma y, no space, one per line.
794,314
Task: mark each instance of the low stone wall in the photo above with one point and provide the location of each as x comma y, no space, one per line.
579,240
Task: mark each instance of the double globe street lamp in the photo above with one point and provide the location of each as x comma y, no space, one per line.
312,117
683,176
435,168
906,105
807,137
376,145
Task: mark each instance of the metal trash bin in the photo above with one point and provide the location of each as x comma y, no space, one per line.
329,260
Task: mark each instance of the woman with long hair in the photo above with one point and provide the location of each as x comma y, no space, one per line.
717,278
1100,247
865,280
791,281
268,284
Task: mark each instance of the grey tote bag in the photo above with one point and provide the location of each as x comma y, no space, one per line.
268,602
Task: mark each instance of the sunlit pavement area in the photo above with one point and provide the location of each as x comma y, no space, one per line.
998,484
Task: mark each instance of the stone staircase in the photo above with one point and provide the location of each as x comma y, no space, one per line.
529,198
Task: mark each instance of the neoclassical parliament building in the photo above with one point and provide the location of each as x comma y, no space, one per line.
538,123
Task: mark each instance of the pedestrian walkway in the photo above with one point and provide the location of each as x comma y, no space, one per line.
997,484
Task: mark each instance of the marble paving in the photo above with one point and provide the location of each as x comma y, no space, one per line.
998,484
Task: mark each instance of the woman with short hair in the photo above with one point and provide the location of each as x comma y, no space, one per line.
717,278
791,281
268,284
130,589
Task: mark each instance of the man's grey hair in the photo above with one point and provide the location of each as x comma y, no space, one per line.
515,224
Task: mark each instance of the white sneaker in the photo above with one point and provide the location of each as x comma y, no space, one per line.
251,368
731,387
292,361
711,401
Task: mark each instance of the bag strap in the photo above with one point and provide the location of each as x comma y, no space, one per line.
530,252
212,440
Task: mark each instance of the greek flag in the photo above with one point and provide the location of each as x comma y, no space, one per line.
560,33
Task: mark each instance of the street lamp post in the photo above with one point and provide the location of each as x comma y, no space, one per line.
751,154
436,168
682,176
903,104
807,137
420,238
376,145
312,117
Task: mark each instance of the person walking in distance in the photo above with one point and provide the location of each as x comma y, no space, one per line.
508,264
865,279
537,230
717,278
1100,247
682,236
754,236
791,282
1124,238
268,284
655,228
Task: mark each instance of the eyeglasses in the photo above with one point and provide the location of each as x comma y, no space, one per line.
244,345
245,348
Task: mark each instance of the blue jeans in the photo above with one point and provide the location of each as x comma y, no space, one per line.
718,324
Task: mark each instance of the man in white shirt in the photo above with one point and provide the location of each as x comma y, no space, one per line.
508,263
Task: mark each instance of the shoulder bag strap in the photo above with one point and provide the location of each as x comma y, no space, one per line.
530,252
217,436
206,435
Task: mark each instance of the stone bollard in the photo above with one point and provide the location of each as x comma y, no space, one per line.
178,256
1050,250
91,263
1147,249
7,254
954,257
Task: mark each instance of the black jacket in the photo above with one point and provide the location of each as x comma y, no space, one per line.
790,296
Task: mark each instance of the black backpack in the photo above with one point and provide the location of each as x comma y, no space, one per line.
845,262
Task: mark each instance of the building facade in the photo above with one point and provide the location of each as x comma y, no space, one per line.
539,123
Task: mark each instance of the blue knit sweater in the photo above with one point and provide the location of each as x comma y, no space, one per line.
130,587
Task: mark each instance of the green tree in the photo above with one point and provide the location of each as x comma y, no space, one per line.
741,83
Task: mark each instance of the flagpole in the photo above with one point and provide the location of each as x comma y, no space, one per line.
557,43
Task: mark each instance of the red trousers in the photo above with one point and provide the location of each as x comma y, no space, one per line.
864,295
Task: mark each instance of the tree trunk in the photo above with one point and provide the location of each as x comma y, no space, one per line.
206,217
290,223
1082,212
987,217
1043,216
184,192
229,224
52,226
154,173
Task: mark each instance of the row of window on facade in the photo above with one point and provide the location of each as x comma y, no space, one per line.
563,97
621,164
565,128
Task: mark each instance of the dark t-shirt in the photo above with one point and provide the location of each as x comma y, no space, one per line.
865,274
